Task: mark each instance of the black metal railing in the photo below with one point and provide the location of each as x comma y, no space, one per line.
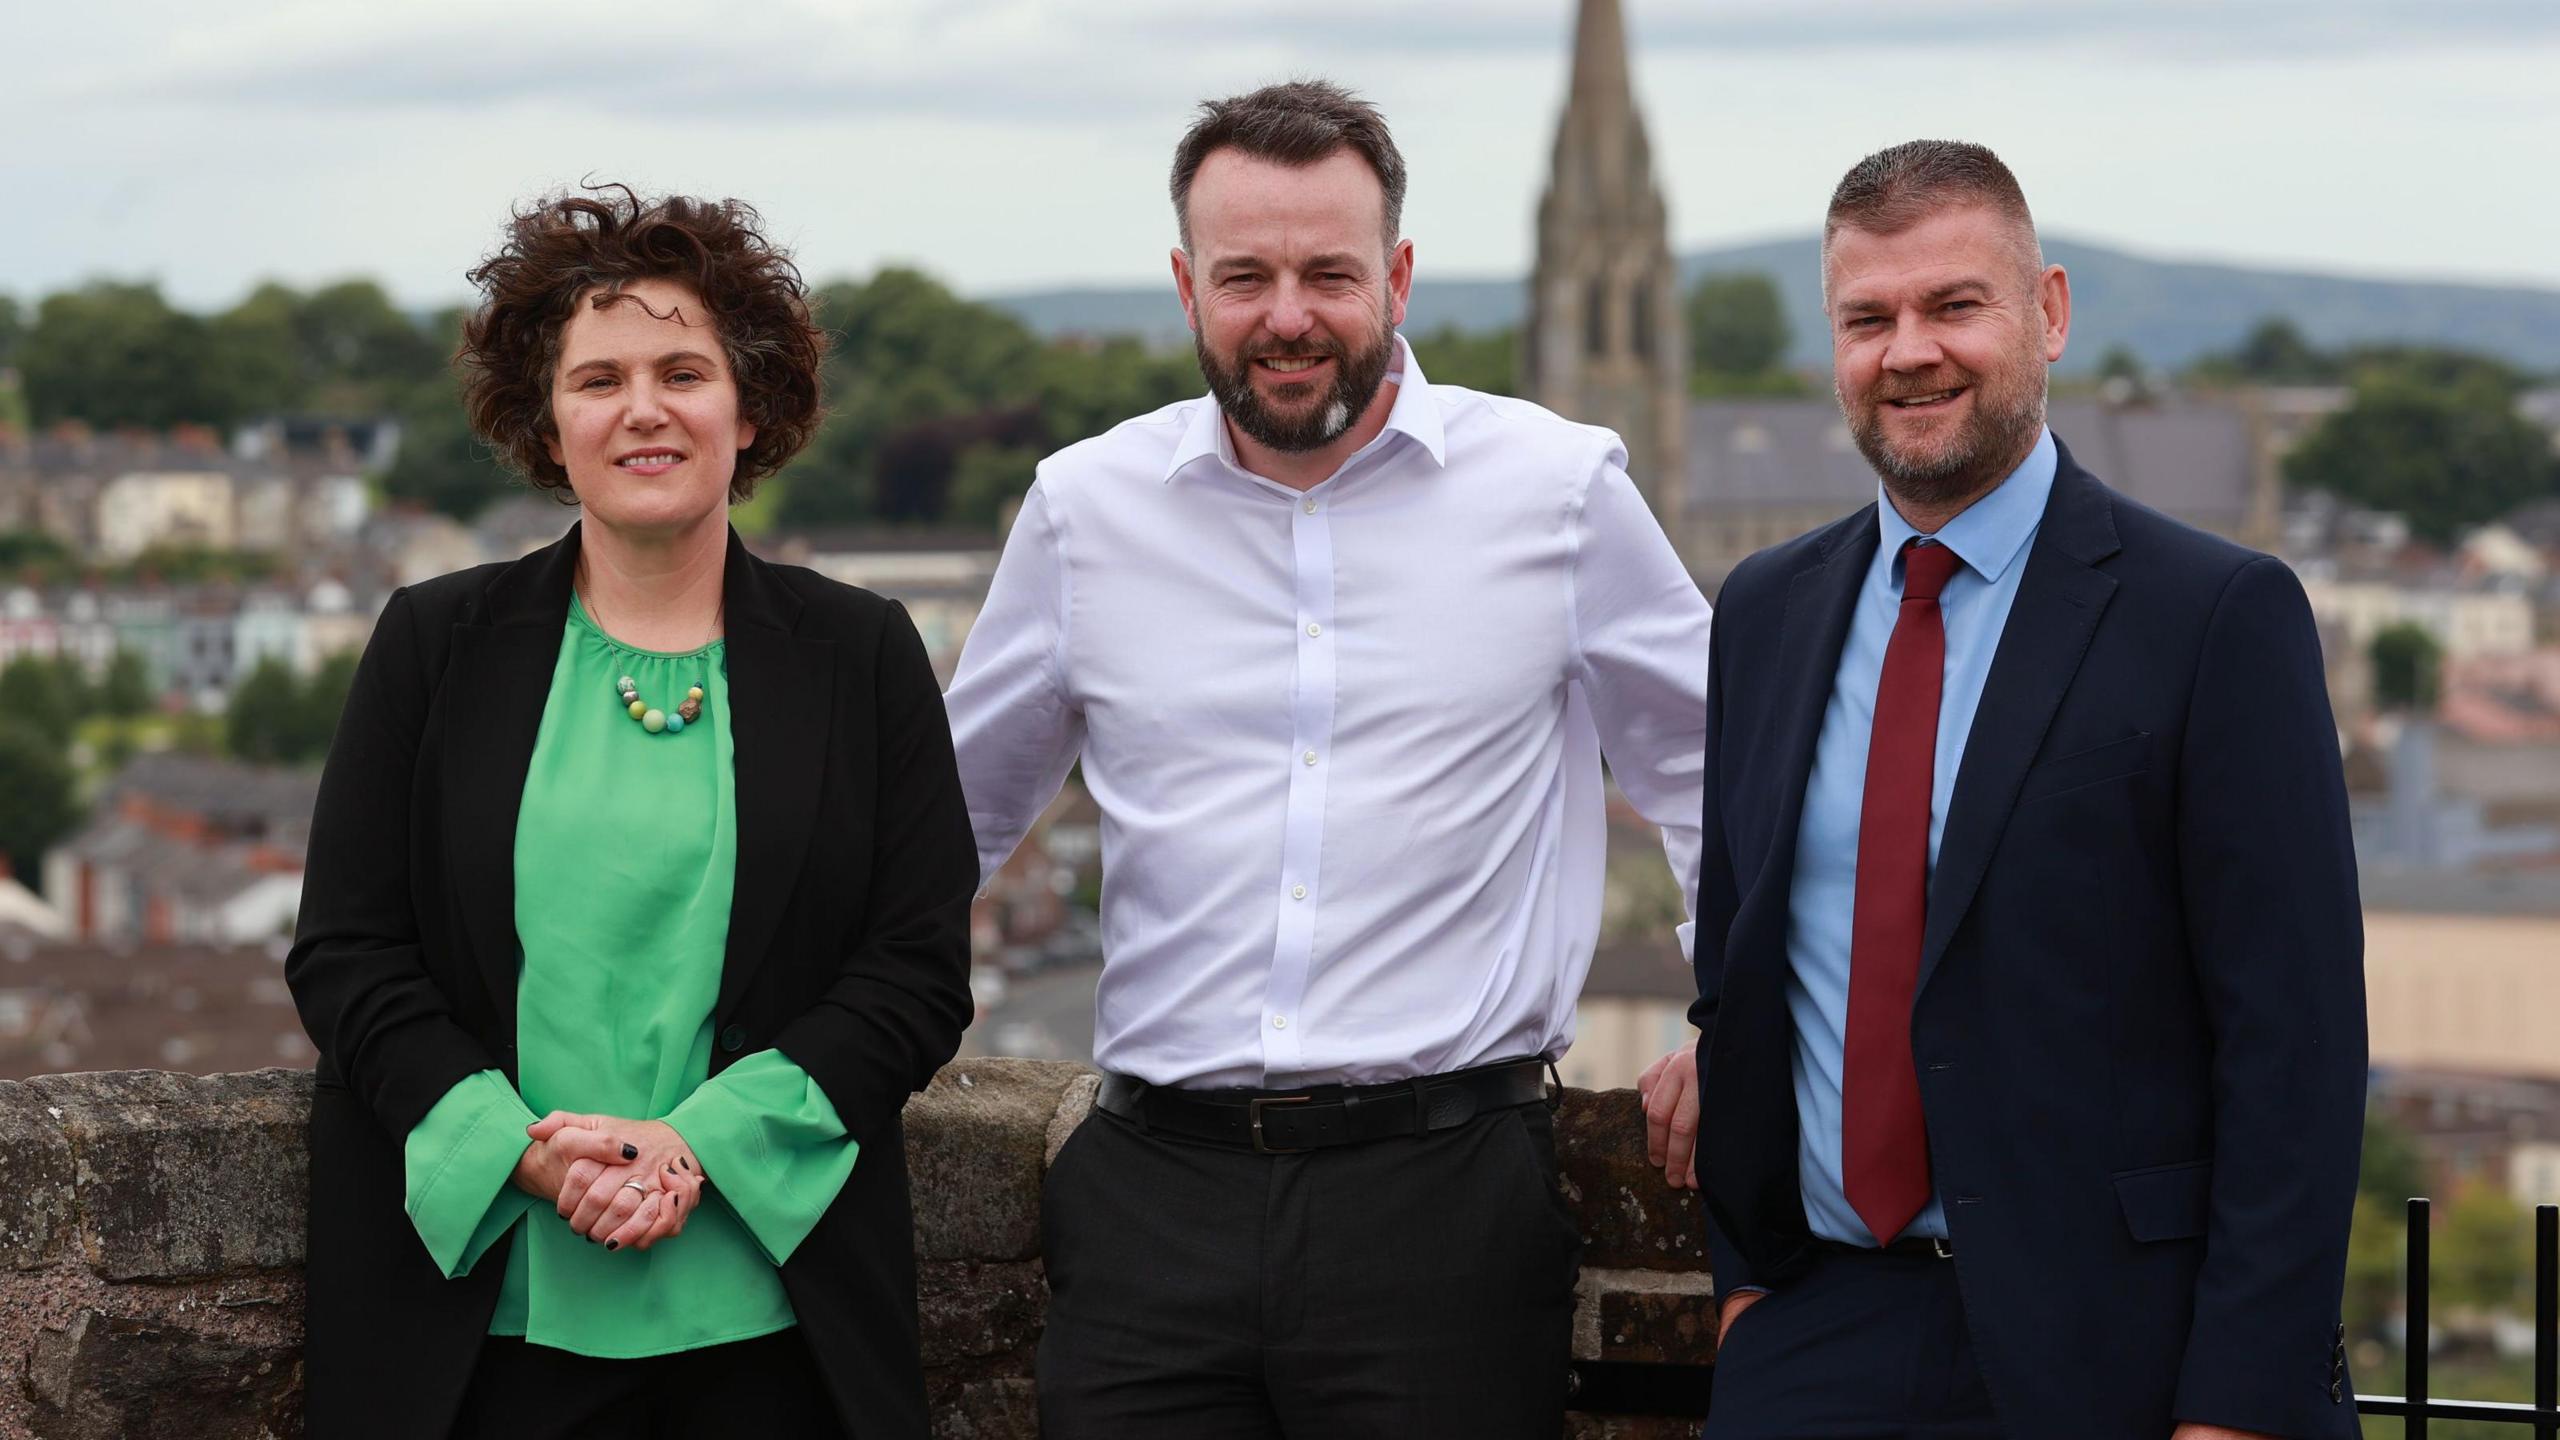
1685,1390
2416,1406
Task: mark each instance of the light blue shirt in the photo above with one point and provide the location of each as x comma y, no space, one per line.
1991,538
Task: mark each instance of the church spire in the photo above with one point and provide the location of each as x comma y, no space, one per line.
1605,341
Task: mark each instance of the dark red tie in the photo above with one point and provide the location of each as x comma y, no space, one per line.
1884,1141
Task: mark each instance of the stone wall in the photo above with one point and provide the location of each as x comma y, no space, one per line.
151,1231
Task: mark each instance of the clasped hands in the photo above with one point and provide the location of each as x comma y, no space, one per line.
617,1182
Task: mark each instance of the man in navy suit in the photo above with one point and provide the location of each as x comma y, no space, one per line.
2029,957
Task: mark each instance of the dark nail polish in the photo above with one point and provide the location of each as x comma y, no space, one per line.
630,1152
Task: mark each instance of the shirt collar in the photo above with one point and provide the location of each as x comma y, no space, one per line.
1993,531
1414,413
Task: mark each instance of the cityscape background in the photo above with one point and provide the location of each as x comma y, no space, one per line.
2317,310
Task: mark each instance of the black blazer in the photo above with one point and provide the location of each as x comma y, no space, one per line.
848,951
2140,1022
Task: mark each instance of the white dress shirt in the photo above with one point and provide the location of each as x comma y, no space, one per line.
1345,742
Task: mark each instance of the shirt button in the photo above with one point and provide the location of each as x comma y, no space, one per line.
733,1039
1279,1022
1297,892
1311,507
1314,629
1309,757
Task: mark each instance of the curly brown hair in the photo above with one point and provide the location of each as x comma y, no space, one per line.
564,247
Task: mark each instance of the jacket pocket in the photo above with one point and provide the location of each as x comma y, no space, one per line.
2166,1202
2114,760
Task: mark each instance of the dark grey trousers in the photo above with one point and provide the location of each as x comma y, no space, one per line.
1409,1288
1861,1347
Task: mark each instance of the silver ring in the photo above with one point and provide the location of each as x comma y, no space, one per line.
635,1185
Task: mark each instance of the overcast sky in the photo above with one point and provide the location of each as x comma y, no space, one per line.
1007,144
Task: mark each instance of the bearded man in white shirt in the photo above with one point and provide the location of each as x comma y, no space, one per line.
1341,652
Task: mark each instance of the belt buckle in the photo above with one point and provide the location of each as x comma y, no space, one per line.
1253,1117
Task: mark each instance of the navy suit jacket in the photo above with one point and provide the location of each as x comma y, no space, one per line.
2140,1019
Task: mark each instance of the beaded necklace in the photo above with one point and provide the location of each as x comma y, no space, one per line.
652,719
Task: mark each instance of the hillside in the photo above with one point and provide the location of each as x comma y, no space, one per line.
2167,312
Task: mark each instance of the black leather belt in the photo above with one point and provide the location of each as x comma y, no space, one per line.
1908,1245
1281,1122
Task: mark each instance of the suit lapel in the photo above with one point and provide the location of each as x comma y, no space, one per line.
1821,600
494,690
2059,600
781,701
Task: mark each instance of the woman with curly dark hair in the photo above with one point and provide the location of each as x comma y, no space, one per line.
637,902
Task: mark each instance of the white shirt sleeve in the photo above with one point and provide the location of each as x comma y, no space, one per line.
1015,729
1640,638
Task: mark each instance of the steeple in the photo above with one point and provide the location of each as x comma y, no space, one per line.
1605,341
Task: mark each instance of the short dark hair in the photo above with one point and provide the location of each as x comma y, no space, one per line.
565,246
1898,187
1296,123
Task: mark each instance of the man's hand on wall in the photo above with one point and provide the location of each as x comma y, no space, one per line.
1669,1090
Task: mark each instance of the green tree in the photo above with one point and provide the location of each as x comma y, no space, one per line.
115,354
2482,1250
38,781
2275,353
907,351
2377,1248
2392,1171
43,696
126,691
264,723
34,555
2444,459
2408,667
13,329
441,464
1486,360
358,352
255,347
317,704
1737,327
987,478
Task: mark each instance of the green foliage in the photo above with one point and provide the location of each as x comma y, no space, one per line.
2275,353
276,719
38,781
265,720
126,690
937,401
2407,670
2377,1249
13,330
2445,458
987,478
181,564
1737,326
34,553
2482,1250
1485,360
115,354
2391,1172
441,464
43,695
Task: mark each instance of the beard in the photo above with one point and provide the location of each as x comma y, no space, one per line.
2007,415
1288,422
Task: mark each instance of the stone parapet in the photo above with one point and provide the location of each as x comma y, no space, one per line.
151,1244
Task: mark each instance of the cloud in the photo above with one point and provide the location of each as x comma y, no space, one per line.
998,61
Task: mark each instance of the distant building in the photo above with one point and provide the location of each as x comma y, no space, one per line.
2468,621
166,507
184,849
1765,471
1606,341
941,577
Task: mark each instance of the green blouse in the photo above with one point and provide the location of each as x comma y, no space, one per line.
626,851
